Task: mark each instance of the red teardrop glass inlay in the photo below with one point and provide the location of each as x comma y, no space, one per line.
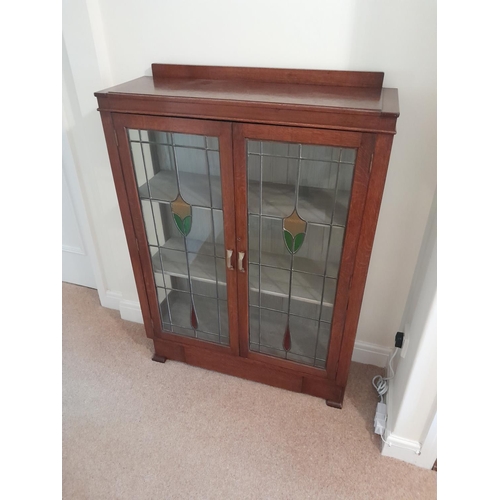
194,319
287,339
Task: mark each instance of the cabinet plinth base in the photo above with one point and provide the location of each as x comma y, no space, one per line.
220,359
158,358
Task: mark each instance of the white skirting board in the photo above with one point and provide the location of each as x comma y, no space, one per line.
402,449
414,452
371,354
130,310
364,352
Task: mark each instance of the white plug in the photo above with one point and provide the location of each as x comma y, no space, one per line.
380,418
406,341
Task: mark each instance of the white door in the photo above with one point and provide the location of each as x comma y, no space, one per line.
76,262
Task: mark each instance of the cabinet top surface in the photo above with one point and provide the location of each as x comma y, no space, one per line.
358,92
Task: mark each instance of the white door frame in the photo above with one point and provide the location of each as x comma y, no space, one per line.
71,174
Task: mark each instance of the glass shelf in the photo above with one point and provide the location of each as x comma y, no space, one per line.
274,282
162,187
201,247
315,204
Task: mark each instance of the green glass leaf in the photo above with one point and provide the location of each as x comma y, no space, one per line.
299,239
288,240
179,224
187,225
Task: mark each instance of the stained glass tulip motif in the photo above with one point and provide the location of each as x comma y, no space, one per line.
294,232
181,212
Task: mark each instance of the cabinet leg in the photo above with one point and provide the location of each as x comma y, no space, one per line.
333,404
158,358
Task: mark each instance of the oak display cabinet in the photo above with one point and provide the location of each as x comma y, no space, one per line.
250,199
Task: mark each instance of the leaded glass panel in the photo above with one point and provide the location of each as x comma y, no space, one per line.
179,185
298,202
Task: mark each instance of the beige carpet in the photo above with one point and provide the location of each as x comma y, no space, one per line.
135,429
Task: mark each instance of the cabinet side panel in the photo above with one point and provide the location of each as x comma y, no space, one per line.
370,216
141,248
121,192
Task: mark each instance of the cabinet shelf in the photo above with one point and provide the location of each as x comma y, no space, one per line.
315,204
194,246
163,187
301,264
274,281
201,266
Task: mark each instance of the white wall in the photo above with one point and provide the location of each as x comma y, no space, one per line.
412,396
111,41
84,71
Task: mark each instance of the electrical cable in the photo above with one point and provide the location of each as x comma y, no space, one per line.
381,386
380,383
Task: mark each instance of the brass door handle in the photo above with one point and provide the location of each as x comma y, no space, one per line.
241,256
229,258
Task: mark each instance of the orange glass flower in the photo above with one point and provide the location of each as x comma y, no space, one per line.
294,231
181,212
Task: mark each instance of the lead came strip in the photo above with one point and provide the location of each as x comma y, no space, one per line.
213,235
294,233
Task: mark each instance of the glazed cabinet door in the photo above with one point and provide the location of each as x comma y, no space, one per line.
300,199
179,182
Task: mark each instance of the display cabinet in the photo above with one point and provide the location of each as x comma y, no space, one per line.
249,199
